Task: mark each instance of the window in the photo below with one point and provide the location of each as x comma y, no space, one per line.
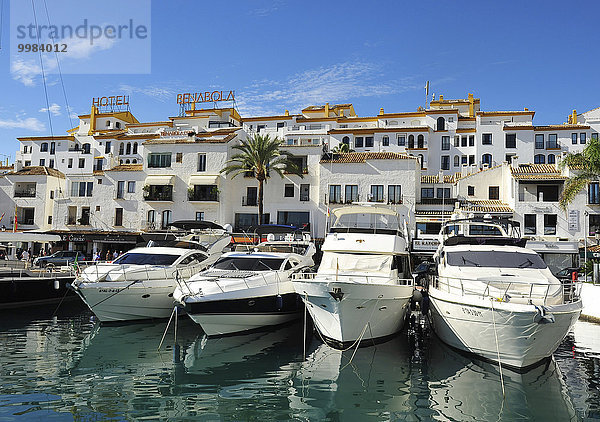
471,159
441,123
463,141
376,193
539,159
471,190
210,193
395,194
118,216
457,141
358,142
508,158
351,193
304,192
594,193
420,141
595,135
550,223
335,194
552,142
86,148
120,189
574,138
486,159
81,163
494,192
463,160
42,162
422,161
151,216
445,143
135,147
294,218
368,142
582,138
44,147
530,222
547,193
166,218
128,148
385,141
99,181
401,140
121,148
70,163
539,140
594,224
178,157
52,147
426,192
456,161
486,139
411,141
443,193
51,194
551,159
445,164
280,125
288,190
130,187
159,160
51,163
511,140
346,141
471,140
27,163
199,215
49,219
201,162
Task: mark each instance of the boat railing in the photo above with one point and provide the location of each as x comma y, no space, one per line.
265,282
367,279
520,291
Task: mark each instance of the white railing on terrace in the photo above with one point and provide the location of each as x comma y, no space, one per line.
367,279
507,291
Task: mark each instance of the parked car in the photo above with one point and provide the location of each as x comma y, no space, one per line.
59,258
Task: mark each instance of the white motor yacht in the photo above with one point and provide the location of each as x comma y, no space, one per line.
363,286
139,284
249,288
493,297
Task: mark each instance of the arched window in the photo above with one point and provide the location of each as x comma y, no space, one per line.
166,218
422,161
121,148
44,147
486,159
128,148
135,147
134,161
456,161
385,141
127,161
411,141
539,159
120,161
151,217
551,159
441,123
108,123
86,148
346,140
421,141
118,125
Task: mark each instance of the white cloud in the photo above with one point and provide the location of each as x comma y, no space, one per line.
54,109
25,71
80,48
161,93
30,123
336,83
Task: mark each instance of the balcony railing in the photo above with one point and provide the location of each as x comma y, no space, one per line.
249,201
25,221
157,196
71,221
25,193
203,197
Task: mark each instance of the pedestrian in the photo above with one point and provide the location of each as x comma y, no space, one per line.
97,256
25,257
108,255
115,254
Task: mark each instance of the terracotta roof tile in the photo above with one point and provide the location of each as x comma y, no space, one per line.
536,172
37,171
486,205
361,157
434,178
127,167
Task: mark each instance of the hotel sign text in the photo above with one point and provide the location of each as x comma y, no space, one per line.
113,100
205,97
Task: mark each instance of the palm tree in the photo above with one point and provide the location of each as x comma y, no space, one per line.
342,149
587,166
260,155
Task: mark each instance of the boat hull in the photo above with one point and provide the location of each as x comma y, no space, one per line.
365,312
524,336
117,301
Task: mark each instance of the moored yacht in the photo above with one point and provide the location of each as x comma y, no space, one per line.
139,284
363,286
249,288
493,297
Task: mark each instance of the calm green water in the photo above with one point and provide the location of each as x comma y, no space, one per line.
70,368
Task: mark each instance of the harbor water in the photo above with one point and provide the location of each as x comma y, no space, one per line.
69,367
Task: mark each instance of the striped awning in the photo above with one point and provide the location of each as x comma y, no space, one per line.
204,179
159,180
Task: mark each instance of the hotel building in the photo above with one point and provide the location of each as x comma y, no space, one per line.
113,177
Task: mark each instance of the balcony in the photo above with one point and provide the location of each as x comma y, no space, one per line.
25,221
25,193
211,197
352,199
249,201
336,201
395,201
159,196
71,221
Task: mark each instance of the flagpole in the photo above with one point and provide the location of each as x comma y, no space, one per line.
426,94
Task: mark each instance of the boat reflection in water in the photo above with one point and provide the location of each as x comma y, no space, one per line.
468,389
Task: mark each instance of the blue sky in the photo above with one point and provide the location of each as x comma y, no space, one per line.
282,54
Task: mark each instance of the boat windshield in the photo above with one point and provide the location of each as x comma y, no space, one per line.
366,223
355,262
496,259
251,263
146,259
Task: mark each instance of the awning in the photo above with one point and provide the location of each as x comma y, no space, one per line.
204,179
159,180
28,237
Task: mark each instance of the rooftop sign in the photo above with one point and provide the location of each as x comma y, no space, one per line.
205,97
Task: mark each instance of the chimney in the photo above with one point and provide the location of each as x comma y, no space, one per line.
326,109
514,160
287,113
464,170
471,105
574,117
525,109
381,111
441,97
